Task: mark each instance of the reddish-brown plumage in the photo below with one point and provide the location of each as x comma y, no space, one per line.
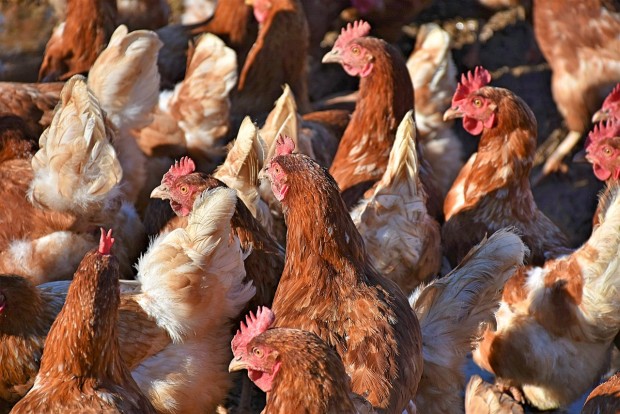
278,56
81,368
605,398
385,96
87,29
26,315
329,287
492,190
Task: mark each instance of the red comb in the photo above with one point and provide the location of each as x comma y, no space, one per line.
358,29
603,130
256,325
284,145
614,96
470,83
106,241
180,168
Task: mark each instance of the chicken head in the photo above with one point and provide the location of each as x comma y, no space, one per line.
261,361
603,150
180,186
610,108
355,59
477,111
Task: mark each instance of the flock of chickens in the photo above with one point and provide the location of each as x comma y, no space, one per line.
189,209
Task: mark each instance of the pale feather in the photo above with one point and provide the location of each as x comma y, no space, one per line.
450,311
76,168
402,239
194,275
200,103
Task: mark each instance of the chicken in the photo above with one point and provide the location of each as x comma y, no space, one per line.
125,80
81,368
192,287
492,190
605,398
283,361
15,141
199,106
403,241
385,96
329,286
433,75
76,43
163,331
561,319
278,56
484,398
26,315
570,32
58,200
610,109
450,311
182,184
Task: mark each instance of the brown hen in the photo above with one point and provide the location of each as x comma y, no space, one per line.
81,368
492,190
329,286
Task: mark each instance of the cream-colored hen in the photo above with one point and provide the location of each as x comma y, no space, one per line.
55,206
192,286
402,239
556,324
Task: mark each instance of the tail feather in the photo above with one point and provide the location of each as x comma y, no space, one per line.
76,168
403,162
201,101
125,78
285,120
243,163
193,276
450,311
599,260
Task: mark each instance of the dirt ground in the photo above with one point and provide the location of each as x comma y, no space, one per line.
503,42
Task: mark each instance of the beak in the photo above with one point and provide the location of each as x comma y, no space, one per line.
249,2
580,157
237,364
600,115
452,113
332,56
161,192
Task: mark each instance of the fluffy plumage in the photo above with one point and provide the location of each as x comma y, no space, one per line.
81,368
451,309
403,241
329,287
492,190
561,318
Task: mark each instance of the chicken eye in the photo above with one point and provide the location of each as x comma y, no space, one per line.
184,189
355,50
257,352
477,102
607,151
